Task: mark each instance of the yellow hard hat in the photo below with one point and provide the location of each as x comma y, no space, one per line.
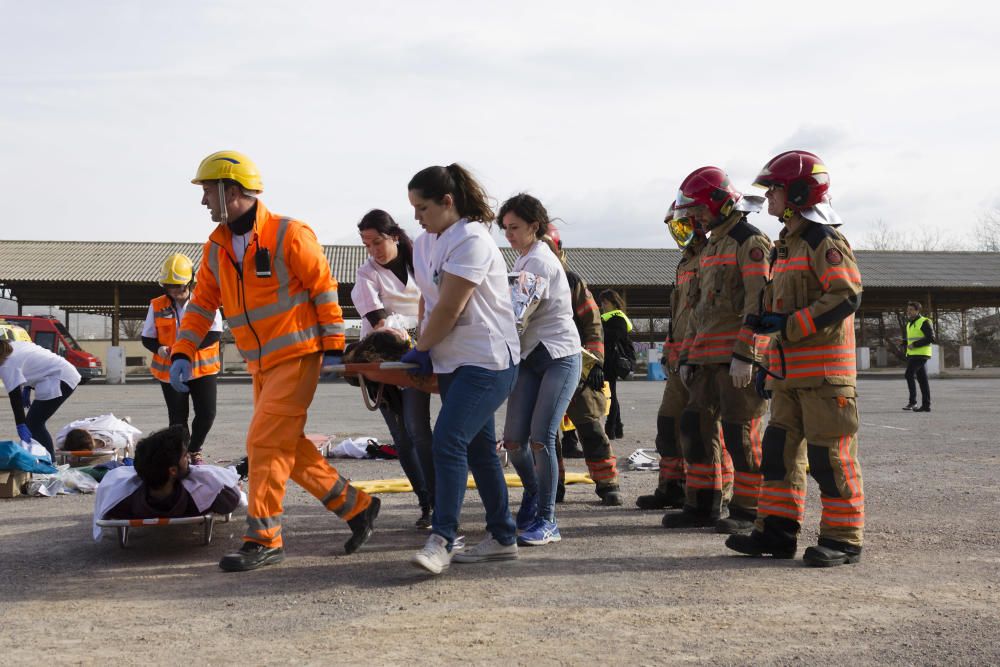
178,269
230,165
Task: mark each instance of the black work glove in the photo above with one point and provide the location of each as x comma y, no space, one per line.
595,380
759,384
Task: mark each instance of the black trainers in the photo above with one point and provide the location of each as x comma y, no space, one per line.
922,408
688,519
831,552
362,526
251,556
756,544
424,521
909,406
662,500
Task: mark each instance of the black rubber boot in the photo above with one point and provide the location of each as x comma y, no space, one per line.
831,552
739,522
778,540
672,497
610,494
688,518
251,556
362,526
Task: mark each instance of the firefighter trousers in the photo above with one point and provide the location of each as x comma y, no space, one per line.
818,426
278,449
715,404
586,411
668,433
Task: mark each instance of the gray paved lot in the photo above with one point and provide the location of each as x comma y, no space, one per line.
617,588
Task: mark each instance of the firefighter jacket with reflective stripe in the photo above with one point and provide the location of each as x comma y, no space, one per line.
818,285
733,270
682,299
205,361
280,302
586,316
919,331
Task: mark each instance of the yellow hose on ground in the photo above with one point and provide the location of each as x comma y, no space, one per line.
402,485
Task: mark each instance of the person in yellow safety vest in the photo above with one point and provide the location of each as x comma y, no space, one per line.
159,333
717,357
273,281
814,415
919,336
616,330
690,237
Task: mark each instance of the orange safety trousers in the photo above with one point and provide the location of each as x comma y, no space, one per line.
818,427
278,450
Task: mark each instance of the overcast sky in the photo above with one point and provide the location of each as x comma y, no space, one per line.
599,109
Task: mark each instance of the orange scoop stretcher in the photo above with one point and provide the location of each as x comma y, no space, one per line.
386,372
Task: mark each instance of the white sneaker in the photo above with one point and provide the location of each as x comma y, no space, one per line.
488,549
434,557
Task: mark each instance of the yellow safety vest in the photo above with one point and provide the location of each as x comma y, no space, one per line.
915,333
617,313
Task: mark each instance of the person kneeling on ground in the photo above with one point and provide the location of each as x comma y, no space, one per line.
164,484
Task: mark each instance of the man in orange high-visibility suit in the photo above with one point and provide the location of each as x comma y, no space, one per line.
271,278
814,412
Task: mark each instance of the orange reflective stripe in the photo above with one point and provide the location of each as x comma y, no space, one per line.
684,277
755,269
849,274
847,462
718,260
806,322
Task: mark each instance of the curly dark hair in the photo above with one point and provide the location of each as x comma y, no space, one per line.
157,452
527,208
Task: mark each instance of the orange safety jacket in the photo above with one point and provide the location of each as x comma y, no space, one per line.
682,298
281,303
206,359
732,272
818,285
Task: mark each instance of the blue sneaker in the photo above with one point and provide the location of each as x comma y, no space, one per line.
528,511
539,534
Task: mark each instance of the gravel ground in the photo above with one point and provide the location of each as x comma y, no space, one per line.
618,588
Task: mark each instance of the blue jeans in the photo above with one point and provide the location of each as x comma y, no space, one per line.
464,440
537,405
411,433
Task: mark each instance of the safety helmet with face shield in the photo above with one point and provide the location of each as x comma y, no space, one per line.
801,174
709,187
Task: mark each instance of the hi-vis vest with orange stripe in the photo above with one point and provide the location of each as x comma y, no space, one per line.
288,310
733,269
682,298
206,360
817,284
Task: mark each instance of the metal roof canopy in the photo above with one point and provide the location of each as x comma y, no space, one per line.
84,276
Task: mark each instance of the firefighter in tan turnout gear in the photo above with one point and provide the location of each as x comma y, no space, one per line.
690,238
814,415
716,362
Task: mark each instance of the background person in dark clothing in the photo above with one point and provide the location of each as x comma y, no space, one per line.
919,336
616,328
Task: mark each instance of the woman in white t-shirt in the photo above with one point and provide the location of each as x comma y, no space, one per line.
468,338
385,291
549,372
24,364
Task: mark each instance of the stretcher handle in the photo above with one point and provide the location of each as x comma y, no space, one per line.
371,366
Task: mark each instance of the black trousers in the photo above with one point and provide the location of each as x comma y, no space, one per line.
613,424
203,393
916,372
40,412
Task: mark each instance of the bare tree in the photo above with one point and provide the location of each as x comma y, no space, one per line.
131,329
988,234
882,237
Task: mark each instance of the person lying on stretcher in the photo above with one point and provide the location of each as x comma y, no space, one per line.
164,484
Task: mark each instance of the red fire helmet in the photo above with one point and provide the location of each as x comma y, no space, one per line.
708,186
802,174
553,233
